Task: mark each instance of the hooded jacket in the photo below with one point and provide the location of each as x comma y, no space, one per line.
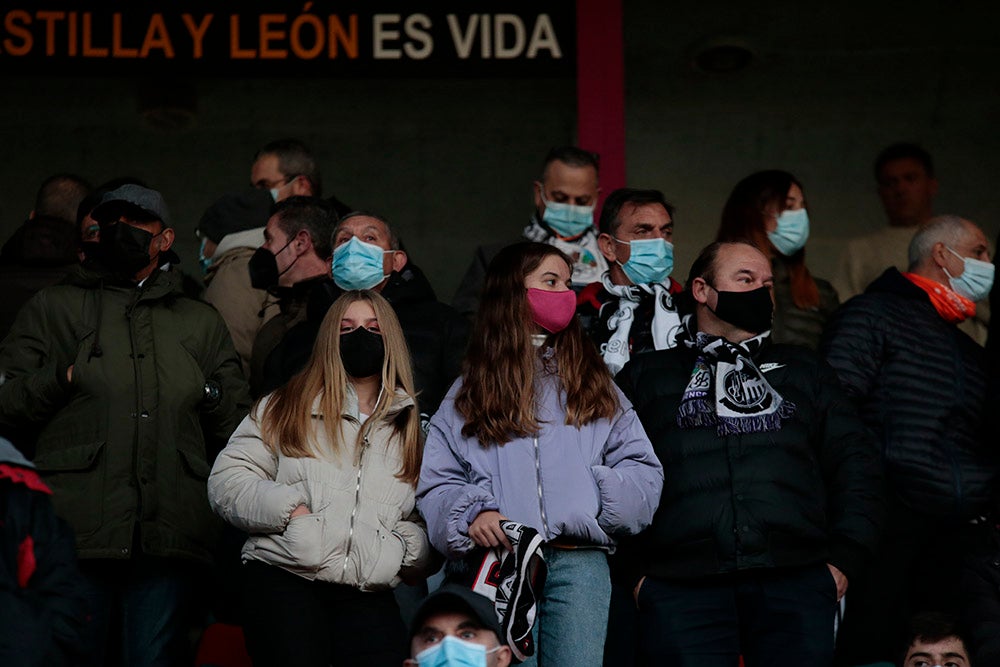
362,531
156,390
921,386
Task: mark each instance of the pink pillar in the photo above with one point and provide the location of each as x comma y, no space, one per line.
600,87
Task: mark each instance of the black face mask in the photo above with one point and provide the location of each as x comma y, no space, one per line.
263,267
124,249
750,311
362,352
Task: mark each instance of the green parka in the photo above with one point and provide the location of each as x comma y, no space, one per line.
156,390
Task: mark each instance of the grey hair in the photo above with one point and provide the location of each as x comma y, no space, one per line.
947,229
393,239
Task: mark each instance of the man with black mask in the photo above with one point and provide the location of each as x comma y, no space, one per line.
293,263
772,497
132,389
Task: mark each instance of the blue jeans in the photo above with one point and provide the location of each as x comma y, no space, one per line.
138,611
573,611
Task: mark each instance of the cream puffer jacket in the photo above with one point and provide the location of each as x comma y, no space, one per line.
362,531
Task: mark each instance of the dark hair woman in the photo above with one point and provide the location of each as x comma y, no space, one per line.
769,210
537,433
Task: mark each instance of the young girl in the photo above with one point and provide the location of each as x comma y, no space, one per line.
322,474
536,432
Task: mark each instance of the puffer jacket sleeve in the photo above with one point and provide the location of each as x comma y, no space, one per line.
418,558
447,496
242,487
853,345
853,474
631,479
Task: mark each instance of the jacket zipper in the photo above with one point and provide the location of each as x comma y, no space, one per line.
538,476
357,501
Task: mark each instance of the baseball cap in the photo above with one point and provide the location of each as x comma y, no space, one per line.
456,598
133,201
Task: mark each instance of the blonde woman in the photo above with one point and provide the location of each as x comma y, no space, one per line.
321,474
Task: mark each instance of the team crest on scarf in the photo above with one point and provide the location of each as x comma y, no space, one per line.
745,390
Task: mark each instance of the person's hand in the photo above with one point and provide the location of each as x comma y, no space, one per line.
301,510
486,532
69,374
841,580
635,591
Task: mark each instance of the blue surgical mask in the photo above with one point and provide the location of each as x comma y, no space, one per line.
357,265
976,279
454,652
567,220
792,232
650,260
203,261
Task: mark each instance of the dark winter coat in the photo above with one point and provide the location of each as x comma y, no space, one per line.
156,391
921,386
807,493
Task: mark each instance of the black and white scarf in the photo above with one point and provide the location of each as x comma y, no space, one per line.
588,262
726,389
666,321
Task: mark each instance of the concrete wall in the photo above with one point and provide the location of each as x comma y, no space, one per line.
451,160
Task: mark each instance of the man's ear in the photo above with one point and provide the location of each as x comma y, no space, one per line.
302,187
504,656
303,242
539,199
166,239
939,254
399,260
607,246
700,290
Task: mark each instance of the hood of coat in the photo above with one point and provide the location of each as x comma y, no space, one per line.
159,284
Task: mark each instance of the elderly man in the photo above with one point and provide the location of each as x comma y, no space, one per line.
368,255
921,386
565,197
455,626
632,309
771,495
132,388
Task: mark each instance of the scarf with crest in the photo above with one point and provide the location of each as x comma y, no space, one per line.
726,389
666,321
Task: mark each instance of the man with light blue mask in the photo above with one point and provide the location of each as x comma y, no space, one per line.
455,627
565,197
923,387
631,307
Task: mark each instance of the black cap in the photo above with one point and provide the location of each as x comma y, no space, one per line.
134,201
455,598
236,212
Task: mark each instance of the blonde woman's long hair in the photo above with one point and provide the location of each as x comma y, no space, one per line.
287,423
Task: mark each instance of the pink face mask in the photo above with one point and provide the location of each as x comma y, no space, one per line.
552,311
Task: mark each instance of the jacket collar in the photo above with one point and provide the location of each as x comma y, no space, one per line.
400,401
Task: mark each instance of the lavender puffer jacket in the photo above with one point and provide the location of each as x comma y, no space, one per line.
584,485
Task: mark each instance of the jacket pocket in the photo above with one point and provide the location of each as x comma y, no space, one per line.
76,476
383,560
299,548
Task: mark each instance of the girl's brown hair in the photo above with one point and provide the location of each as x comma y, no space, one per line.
287,423
744,217
497,396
